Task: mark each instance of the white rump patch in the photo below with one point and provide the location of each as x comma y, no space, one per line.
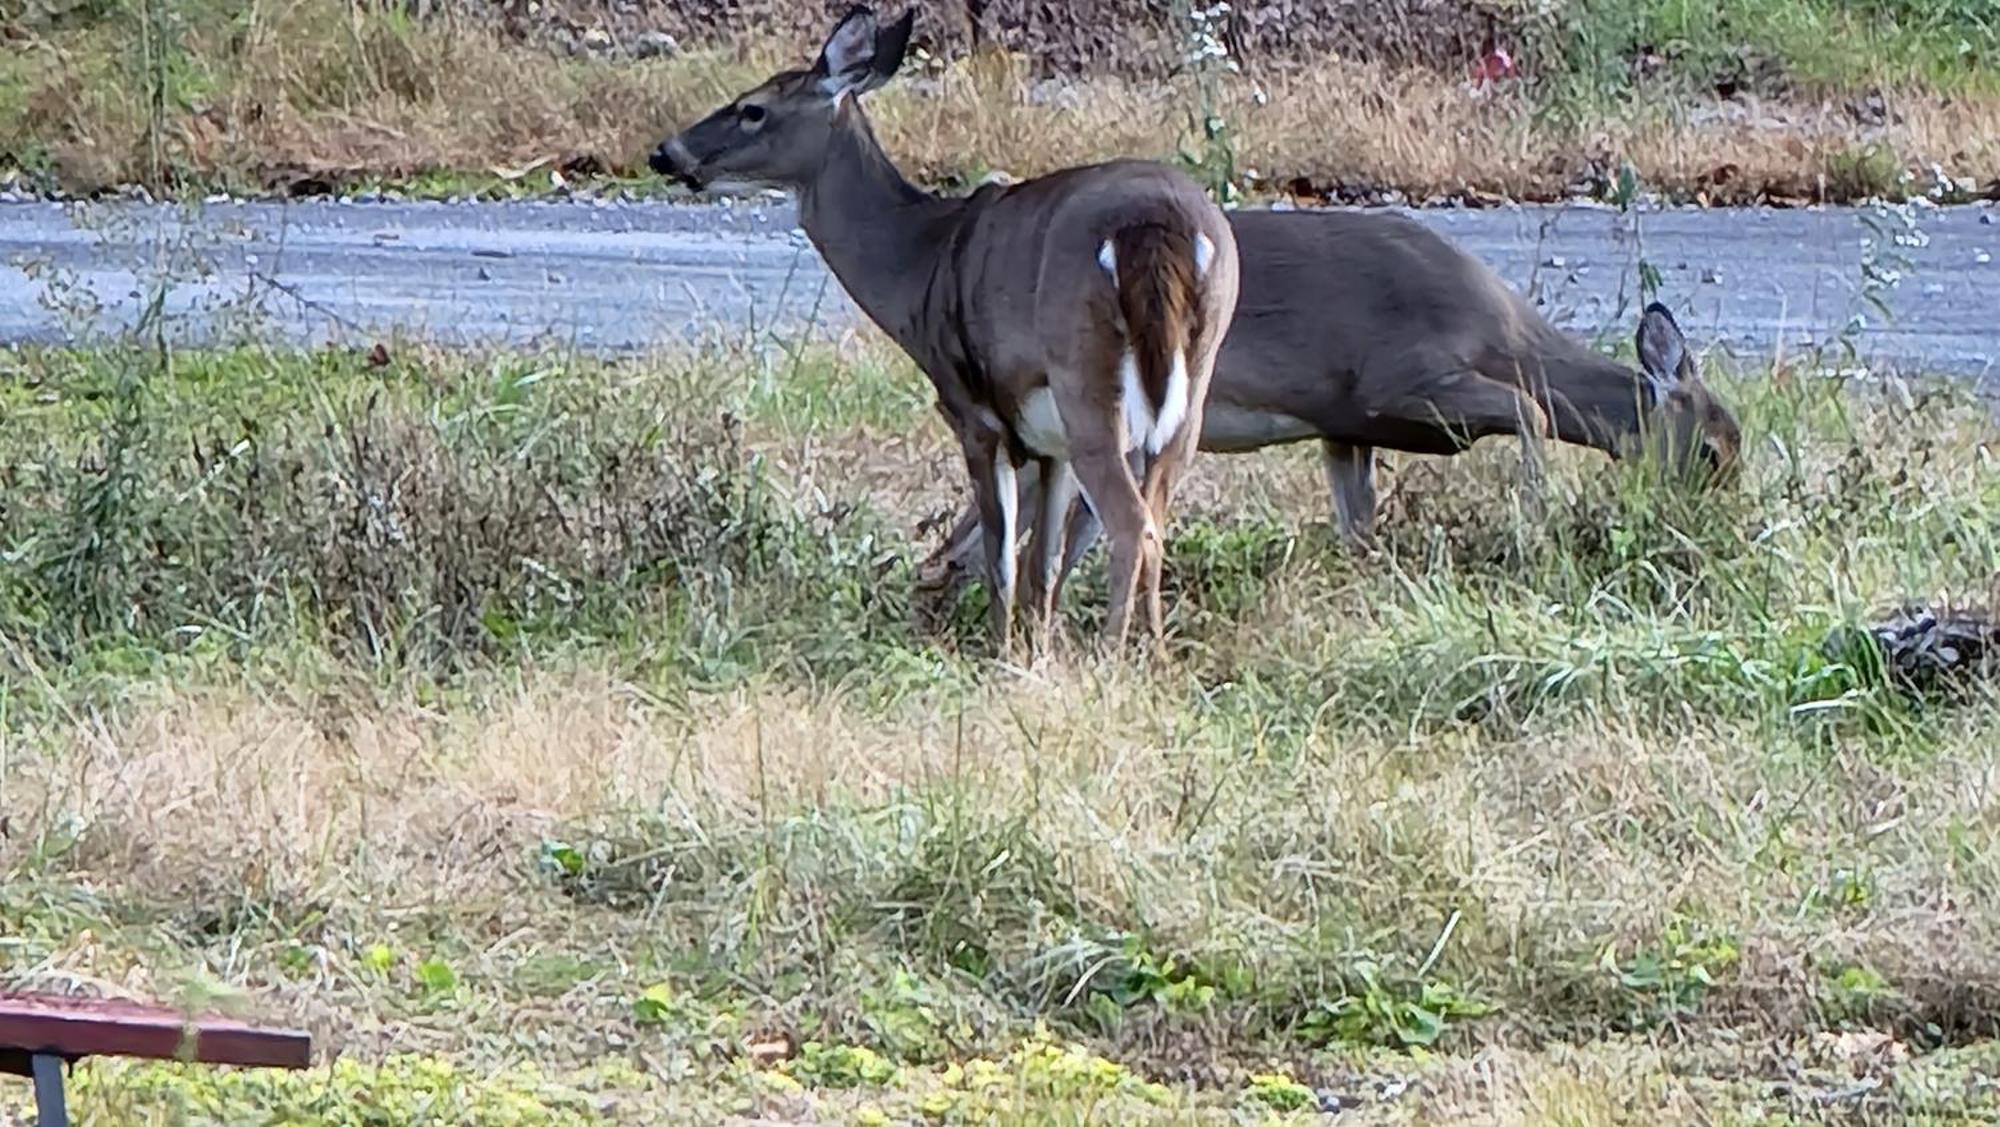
1107,257
1138,410
1142,426
1174,411
1040,425
1204,254
1010,501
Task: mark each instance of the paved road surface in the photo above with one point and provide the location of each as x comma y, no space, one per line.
605,276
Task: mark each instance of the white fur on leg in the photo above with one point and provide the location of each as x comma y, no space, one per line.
1204,254
1137,409
1010,500
1173,412
1107,257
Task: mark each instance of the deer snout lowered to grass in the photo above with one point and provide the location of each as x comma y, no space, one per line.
1067,322
1372,331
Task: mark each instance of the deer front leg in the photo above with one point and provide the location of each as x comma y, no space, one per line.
1032,478
1534,492
1350,477
1472,405
950,567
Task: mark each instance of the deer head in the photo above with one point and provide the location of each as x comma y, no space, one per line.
777,133
1686,426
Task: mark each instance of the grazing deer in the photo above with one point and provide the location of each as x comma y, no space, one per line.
1066,321
1371,331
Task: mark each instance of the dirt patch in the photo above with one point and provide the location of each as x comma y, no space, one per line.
1126,38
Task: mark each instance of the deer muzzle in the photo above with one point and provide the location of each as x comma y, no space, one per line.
673,159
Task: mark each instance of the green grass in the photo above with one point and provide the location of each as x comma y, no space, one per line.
546,733
1812,47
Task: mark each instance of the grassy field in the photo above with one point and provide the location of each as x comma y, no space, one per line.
556,740
1796,100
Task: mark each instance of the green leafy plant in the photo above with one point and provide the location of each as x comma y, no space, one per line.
1393,1012
909,1018
1854,992
841,1066
435,976
1129,976
347,1093
1279,1092
1159,979
654,1005
562,859
1680,970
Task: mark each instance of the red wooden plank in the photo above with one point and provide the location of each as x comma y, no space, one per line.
79,1027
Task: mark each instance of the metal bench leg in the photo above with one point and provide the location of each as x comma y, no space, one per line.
49,1108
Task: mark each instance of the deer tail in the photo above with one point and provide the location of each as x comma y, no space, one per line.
1158,270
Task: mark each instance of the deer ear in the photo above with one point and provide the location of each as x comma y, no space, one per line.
860,56
890,46
1663,351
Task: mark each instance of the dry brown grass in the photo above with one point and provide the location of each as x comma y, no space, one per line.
400,820
1349,130
308,97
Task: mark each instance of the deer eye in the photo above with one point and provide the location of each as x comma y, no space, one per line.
752,115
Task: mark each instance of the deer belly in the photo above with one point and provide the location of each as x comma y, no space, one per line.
1039,425
1233,430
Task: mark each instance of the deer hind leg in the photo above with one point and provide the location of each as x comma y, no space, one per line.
1164,471
1129,527
1085,530
1096,439
1350,477
1049,512
1162,474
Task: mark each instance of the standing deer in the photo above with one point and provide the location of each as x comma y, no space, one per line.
1371,331
1065,321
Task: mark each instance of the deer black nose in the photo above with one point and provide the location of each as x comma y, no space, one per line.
1718,464
673,159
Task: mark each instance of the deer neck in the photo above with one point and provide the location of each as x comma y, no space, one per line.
878,233
1602,403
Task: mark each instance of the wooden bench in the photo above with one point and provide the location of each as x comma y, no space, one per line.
40,1033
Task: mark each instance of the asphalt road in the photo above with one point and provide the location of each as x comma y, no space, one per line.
618,276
